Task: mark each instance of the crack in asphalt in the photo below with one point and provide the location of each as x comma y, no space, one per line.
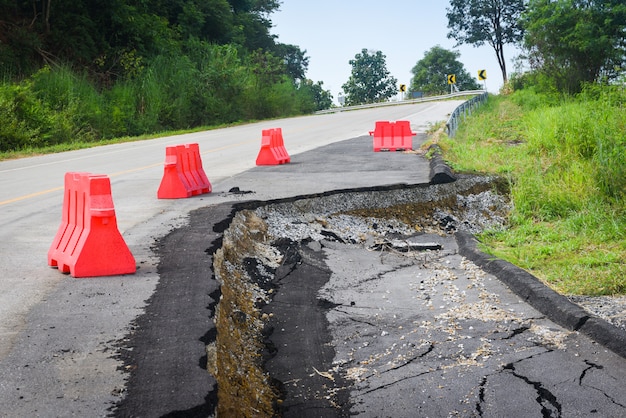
381,275
431,347
516,332
610,398
395,382
550,406
584,372
481,396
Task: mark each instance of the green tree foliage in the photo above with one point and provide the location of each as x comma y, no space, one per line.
322,99
570,42
295,60
429,74
495,22
211,20
80,71
96,34
370,81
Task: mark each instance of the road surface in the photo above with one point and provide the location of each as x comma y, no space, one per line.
59,336
427,335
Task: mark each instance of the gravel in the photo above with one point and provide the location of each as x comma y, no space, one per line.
609,308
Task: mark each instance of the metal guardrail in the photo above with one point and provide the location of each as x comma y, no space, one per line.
405,102
462,111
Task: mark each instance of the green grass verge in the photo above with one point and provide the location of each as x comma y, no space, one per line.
566,162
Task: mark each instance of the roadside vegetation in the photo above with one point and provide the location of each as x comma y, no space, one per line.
59,109
74,73
565,159
557,133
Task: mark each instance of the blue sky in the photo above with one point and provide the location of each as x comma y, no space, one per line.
333,31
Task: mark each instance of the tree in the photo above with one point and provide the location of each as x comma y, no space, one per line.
98,34
370,81
296,62
255,6
495,22
322,99
251,27
429,74
575,41
268,68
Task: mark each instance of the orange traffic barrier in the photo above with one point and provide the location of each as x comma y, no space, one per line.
273,150
392,136
383,135
183,175
88,243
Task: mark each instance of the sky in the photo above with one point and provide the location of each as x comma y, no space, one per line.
332,32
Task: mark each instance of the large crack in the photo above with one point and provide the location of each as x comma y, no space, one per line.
550,406
275,249
259,326
593,366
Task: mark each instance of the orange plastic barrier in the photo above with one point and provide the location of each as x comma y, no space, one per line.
183,175
88,243
273,150
392,136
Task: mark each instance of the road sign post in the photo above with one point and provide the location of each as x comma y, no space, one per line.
402,91
452,81
482,75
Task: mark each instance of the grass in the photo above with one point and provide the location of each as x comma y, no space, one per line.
565,162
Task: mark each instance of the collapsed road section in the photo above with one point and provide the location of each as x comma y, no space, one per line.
360,303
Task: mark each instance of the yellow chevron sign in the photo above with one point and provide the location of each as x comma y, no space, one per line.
482,74
451,79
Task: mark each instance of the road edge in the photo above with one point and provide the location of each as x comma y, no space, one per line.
554,305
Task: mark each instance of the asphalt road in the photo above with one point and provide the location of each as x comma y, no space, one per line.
62,339
401,335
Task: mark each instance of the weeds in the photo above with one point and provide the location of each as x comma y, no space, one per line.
566,161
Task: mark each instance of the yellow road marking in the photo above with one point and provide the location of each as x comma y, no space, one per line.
28,196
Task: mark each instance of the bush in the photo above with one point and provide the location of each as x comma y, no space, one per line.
207,85
30,122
